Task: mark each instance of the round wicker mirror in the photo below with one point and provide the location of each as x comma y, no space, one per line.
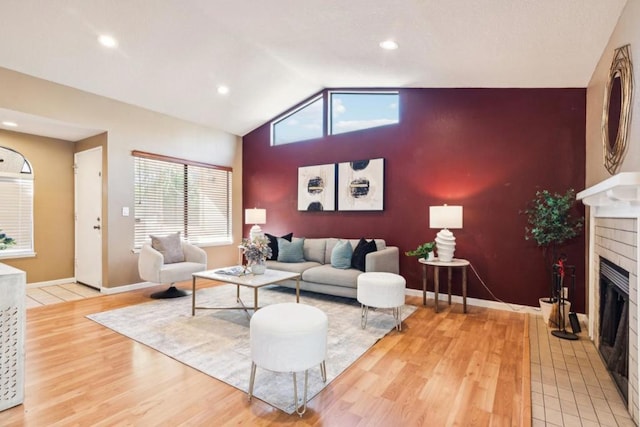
616,110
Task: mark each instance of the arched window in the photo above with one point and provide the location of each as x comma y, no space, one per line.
16,199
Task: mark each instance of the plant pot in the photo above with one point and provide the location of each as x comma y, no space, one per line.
258,268
546,307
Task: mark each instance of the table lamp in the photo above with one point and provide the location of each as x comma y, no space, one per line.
255,216
445,217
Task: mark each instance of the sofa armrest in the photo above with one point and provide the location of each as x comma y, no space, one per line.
150,263
387,260
192,253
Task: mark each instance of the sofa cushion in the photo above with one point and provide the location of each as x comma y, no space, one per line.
327,275
313,250
360,253
290,251
341,255
292,267
170,246
273,243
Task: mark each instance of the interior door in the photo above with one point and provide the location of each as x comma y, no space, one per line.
88,217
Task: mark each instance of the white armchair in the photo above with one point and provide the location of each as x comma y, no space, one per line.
152,268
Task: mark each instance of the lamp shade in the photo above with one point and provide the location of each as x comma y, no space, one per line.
445,216
255,216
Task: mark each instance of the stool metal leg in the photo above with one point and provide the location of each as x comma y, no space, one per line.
252,379
295,394
363,318
323,371
397,315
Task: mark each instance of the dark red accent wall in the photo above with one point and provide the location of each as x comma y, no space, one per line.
488,150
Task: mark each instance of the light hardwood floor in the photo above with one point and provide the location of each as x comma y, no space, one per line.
442,369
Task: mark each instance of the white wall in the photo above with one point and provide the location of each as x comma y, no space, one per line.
129,128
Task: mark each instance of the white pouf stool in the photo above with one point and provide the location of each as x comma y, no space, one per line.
288,337
381,290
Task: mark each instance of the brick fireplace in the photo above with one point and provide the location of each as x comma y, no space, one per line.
613,236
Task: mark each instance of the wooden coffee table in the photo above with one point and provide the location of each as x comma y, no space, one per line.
253,281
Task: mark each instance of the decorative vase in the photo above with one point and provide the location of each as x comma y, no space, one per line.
259,267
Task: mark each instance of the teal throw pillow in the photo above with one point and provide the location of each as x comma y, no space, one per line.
341,255
290,251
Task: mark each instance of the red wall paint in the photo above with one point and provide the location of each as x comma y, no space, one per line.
488,150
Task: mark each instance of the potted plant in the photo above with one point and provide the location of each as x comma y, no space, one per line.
256,251
6,241
551,224
425,251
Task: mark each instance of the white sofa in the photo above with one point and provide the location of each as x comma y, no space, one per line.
317,274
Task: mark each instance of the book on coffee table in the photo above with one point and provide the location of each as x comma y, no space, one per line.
234,271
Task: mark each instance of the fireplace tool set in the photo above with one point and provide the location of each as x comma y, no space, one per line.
560,270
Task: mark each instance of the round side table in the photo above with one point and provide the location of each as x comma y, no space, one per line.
437,264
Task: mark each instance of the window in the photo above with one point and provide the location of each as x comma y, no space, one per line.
16,215
352,111
179,195
305,122
348,111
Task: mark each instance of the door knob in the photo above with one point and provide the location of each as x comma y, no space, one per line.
96,227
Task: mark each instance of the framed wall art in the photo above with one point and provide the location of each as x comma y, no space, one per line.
361,185
317,188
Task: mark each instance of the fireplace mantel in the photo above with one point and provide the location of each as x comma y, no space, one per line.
615,197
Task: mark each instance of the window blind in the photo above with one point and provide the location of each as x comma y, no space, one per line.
16,216
177,195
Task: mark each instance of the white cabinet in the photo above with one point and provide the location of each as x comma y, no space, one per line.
13,289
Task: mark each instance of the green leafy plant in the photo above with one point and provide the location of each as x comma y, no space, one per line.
551,223
5,241
423,250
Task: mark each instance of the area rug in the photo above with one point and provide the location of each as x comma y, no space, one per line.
216,342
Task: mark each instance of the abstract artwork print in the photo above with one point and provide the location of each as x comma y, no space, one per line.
361,185
317,188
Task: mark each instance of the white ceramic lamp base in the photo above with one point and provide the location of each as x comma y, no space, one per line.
445,245
255,231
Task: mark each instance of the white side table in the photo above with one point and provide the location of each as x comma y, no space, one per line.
13,284
437,264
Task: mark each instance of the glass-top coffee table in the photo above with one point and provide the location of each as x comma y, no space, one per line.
254,281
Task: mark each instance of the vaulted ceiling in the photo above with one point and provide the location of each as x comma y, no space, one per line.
173,55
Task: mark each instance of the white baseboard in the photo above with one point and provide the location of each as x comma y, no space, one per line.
496,305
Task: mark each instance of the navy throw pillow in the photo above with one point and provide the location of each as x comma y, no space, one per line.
360,253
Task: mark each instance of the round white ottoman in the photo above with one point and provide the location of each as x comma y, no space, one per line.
288,337
381,290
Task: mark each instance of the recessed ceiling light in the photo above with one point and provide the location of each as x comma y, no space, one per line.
223,90
10,124
389,45
107,41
